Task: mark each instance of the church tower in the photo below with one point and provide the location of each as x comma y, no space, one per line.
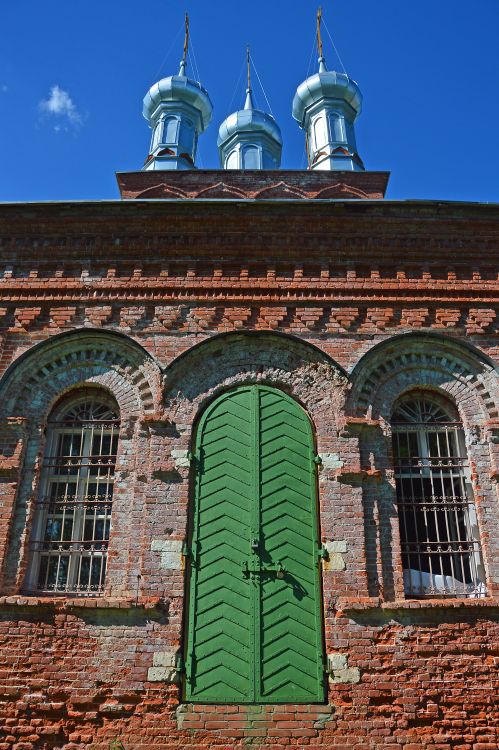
177,109
326,106
249,138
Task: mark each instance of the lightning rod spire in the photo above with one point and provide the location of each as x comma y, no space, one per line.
183,62
319,35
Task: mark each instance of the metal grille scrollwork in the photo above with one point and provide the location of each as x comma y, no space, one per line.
73,517
441,553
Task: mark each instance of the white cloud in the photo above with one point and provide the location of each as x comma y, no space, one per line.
4,88
59,104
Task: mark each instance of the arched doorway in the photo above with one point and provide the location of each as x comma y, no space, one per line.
255,619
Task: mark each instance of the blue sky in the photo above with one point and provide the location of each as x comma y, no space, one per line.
73,74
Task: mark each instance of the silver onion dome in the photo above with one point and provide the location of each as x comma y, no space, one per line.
249,139
177,109
326,84
178,88
326,106
249,119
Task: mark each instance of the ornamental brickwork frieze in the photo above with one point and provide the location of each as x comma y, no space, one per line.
219,318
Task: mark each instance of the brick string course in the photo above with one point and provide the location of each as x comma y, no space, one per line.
345,306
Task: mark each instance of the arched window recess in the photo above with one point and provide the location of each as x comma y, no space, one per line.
73,512
441,554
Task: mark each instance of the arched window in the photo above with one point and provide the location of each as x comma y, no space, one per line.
251,157
232,161
438,525
170,130
186,137
337,127
320,137
156,135
73,514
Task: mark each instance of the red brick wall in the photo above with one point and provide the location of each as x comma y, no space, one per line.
78,677
330,288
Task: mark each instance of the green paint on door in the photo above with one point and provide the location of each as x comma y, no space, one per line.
255,623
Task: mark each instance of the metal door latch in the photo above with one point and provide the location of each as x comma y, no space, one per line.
279,569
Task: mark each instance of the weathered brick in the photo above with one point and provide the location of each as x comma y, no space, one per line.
330,289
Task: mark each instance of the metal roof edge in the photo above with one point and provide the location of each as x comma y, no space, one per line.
253,201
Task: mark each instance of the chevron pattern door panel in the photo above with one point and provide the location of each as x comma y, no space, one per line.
291,636
254,626
220,654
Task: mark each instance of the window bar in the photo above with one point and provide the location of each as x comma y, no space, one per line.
72,532
441,554
428,510
399,436
443,543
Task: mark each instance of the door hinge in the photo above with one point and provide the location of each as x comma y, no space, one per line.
188,553
318,460
180,664
191,457
322,553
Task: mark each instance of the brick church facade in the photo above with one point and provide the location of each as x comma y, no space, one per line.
249,466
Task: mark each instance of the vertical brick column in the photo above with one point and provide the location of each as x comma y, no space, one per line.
13,433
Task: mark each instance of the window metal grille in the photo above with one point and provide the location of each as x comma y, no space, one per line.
72,522
441,553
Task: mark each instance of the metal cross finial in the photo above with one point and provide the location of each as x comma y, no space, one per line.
248,71
319,37
186,39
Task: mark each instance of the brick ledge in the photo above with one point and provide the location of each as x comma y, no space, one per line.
361,604
66,602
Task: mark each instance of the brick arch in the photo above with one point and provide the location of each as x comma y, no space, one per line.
220,190
37,379
162,191
280,190
402,363
31,387
224,361
341,190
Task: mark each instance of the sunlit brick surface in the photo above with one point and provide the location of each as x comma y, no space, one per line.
345,306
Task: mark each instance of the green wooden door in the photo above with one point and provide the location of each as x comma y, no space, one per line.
254,626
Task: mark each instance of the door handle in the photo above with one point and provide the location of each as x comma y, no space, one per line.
278,568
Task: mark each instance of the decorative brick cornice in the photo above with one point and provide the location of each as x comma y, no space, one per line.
252,184
257,310
259,289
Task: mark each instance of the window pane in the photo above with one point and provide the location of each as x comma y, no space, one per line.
74,513
170,128
231,162
337,128
186,140
319,133
440,550
251,158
